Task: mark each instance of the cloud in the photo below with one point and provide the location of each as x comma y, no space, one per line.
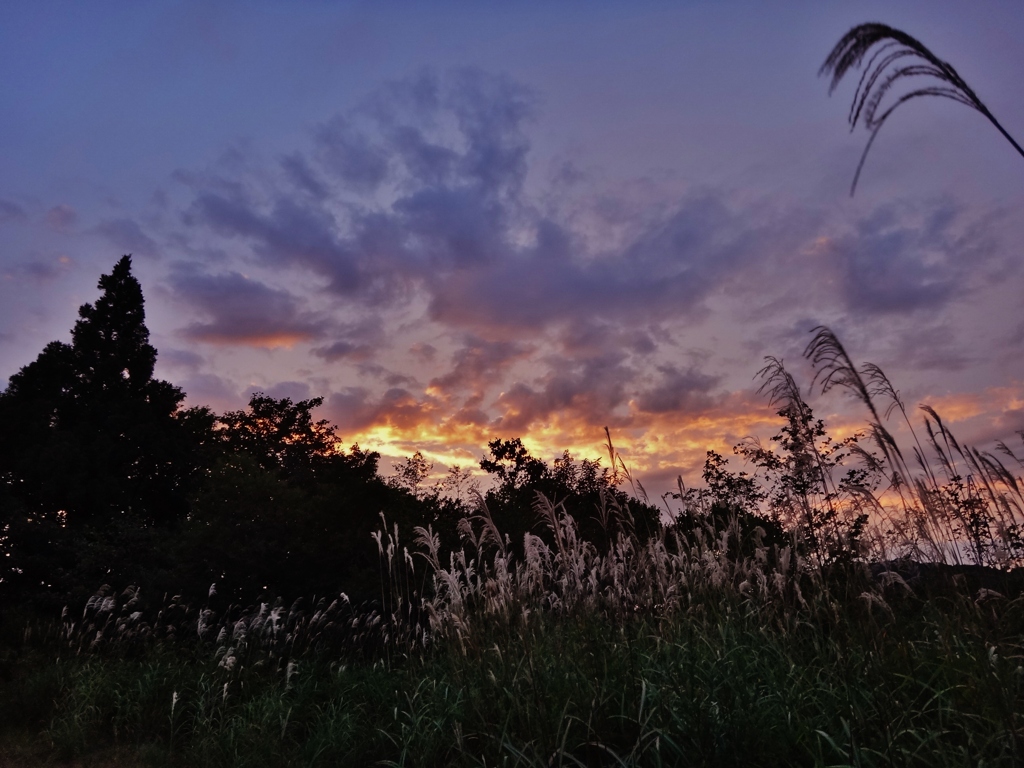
293,390
127,236
423,352
341,350
61,218
933,348
446,218
181,358
288,233
303,176
899,260
591,388
243,311
419,194
548,313
389,377
454,164
592,336
478,364
678,390
210,389
41,268
11,212
396,409
353,341
350,155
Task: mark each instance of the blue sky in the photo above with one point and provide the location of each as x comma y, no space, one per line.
463,221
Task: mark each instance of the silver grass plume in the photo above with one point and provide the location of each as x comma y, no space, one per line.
894,56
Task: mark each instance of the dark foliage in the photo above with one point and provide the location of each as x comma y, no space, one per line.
91,444
729,509
585,489
284,510
89,433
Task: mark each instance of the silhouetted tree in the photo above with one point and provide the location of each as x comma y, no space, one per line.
586,490
283,437
730,504
88,431
286,510
93,449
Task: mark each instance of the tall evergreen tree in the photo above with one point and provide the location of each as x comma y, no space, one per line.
86,432
113,355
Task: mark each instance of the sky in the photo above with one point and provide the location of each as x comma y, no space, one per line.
457,222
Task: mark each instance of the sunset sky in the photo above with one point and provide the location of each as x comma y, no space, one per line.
462,221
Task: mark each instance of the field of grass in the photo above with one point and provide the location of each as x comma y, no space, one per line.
907,682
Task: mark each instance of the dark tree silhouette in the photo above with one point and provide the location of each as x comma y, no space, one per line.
894,56
87,433
284,509
283,437
586,490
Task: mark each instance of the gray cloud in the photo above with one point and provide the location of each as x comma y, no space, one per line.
127,236
898,260
303,176
933,348
423,352
479,363
356,408
354,341
242,311
669,269
11,212
457,192
181,358
41,268
389,377
293,390
340,350
350,155
208,388
418,198
678,390
61,218
288,233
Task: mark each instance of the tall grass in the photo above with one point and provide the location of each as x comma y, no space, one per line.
904,682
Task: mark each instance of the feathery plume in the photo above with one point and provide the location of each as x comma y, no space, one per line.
889,56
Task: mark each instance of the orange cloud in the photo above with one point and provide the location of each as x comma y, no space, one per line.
265,341
992,403
656,447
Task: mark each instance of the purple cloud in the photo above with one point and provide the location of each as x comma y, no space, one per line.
11,212
243,311
899,261
354,341
127,236
678,391
61,218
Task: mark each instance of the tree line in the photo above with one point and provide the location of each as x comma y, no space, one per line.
105,477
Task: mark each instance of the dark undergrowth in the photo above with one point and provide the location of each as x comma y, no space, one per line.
936,682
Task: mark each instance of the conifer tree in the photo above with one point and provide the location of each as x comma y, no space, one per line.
87,432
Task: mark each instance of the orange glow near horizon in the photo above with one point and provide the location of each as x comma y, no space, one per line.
655,447
652,445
